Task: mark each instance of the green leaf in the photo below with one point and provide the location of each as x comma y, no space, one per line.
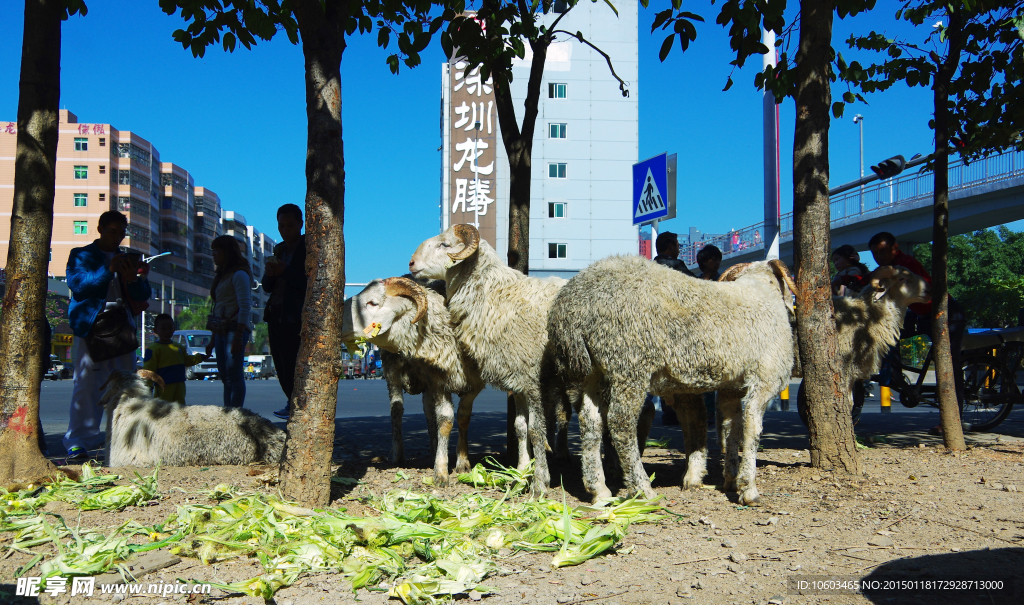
612,6
837,109
848,97
229,42
728,84
666,47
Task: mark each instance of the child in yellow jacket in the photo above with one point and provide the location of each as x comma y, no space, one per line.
169,359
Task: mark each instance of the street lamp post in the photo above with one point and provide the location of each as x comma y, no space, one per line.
148,259
859,120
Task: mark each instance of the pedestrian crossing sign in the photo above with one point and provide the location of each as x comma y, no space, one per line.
651,193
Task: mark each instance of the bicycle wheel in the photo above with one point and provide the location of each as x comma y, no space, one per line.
989,392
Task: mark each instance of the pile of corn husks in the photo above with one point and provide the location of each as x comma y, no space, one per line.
426,546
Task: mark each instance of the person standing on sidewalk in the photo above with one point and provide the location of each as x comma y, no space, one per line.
285,281
100,278
229,319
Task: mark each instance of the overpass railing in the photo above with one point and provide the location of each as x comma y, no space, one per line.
903,190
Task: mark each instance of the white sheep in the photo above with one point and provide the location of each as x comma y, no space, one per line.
410,324
500,318
626,326
145,431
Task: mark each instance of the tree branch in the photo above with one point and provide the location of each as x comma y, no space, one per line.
622,83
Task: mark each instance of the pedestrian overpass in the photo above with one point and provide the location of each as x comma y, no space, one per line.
982,194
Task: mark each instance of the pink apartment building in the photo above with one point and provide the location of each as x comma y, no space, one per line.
101,168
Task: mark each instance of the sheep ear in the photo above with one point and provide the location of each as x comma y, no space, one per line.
879,293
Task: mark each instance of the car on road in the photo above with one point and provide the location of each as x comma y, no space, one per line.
262,366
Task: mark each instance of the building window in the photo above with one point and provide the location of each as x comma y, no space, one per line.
103,197
81,200
81,227
81,172
557,250
103,169
557,91
556,171
556,209
103,142
51,255
556,131
81,144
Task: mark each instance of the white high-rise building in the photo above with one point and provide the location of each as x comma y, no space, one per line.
585,144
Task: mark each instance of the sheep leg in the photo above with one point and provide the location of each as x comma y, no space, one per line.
643,425
522,423
693,417
465,411
730,427
430,412
755,403
624,405
591,435
537,435
397,411
444,416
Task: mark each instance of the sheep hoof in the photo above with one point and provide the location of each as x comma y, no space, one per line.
397,458
440,479
730,485
750,497
602,493
692,482
462,465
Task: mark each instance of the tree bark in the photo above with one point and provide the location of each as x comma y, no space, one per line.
949,407
22,326
306,470
829,421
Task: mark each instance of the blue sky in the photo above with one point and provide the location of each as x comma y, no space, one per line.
237,121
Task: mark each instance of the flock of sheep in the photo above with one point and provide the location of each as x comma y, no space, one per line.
597,344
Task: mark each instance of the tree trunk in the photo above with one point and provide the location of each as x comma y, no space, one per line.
831,428
305,473
21,328
949,407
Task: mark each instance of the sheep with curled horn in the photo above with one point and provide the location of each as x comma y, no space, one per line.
625,326
499,316
143,430
419,354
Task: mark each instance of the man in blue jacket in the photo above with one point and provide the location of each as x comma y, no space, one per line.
100,278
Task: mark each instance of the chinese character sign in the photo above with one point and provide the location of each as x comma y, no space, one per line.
473,136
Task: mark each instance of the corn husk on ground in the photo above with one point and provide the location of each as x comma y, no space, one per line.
425,546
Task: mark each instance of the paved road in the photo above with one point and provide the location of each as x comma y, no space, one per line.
364,427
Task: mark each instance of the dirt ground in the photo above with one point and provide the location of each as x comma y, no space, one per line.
919,513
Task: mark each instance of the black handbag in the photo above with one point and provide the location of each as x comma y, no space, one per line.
112,335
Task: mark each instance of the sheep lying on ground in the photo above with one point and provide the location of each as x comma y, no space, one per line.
410,324
626,326
145,431
499,316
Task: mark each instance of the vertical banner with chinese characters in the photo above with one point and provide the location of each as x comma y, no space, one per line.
473,135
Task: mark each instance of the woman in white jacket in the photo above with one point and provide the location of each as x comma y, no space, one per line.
229,319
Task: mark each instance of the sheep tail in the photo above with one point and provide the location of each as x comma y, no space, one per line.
571,354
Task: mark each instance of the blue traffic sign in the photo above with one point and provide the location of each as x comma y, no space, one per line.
650,190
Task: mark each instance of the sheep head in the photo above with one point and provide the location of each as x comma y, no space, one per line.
436,255
132,384
898,284
373,312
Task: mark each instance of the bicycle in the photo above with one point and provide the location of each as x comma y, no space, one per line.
990,387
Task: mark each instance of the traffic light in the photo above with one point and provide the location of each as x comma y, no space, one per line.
890,168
